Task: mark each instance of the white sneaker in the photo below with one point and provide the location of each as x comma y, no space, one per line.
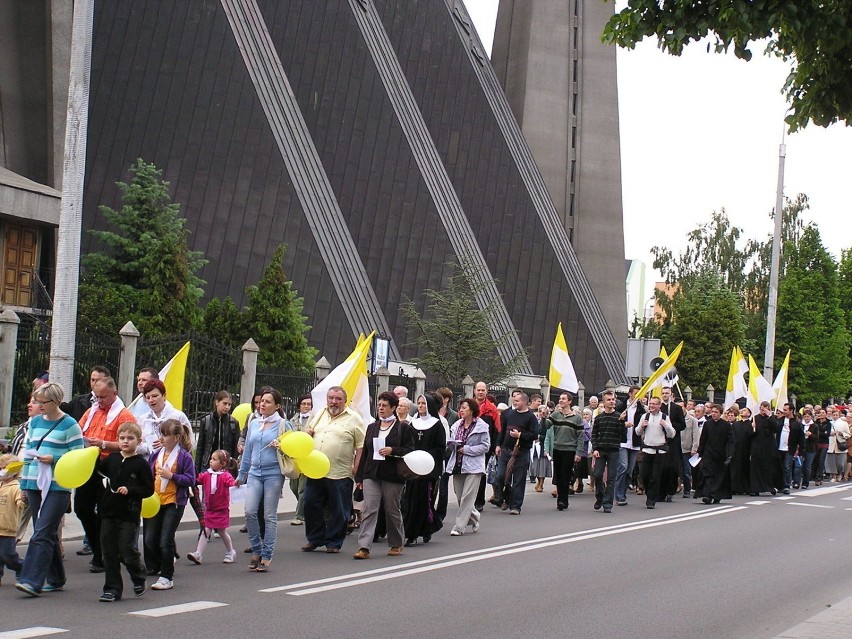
163,584
456,533
229,557
194,557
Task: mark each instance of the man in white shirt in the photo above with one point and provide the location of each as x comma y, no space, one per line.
654,429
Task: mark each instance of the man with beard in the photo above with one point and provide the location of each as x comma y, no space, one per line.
673,468
338,431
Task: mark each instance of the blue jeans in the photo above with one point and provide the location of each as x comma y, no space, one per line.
785,459
518,479
328,504
158,535
606,462
626,464
9,555
43,562
687,473
268,490
807,466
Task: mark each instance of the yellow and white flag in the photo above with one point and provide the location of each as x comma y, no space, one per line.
661,372
759,390
736,386
351,376
562,373
780,384
173,376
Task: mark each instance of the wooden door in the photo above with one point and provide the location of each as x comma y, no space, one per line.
20,250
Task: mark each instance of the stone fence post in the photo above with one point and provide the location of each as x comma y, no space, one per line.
127,361
419,385
9,322
467,384
382,380
581,395
322,368
249,378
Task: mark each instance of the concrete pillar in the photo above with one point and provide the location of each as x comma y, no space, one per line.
581,395
711,394
8,345
419,385
687,392
127,361
322,368
382,380
544,384
249,378
468,385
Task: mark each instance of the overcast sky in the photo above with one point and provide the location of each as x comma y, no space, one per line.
702,132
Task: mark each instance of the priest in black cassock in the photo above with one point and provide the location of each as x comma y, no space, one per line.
674,463
716,449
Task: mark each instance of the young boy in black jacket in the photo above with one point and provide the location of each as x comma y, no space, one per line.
128,481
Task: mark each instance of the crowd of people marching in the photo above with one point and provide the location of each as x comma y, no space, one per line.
654,447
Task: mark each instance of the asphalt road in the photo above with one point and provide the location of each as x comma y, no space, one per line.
751,567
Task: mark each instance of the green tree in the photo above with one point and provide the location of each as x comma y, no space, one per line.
146,273
222,321
708,317
845,288
811,322
452,335
815,37
273,318
719,250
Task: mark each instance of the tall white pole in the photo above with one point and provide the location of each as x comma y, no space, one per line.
772,306
64,327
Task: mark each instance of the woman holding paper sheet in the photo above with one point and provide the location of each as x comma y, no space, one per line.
51,434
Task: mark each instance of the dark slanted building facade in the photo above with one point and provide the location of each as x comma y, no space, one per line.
370,136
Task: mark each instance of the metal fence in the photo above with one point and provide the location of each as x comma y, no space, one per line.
211,367
291,385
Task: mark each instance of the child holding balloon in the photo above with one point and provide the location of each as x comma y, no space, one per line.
215,484
128,480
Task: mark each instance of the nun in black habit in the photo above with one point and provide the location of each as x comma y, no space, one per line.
764,452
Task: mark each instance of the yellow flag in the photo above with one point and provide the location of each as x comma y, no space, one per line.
664,368
657,391
562,374
351,376
173,376
780,384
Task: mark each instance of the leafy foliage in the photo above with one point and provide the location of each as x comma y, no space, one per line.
708,317
273,318
815,37
147,273
718,250
453,336
812,323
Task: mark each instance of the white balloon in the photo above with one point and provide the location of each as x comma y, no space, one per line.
420,462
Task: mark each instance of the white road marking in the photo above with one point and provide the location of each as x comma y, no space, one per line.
35,631
827,490
798,503
758,503
491,553
784,497
469,553
177,609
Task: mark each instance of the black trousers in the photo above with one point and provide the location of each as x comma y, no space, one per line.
563,473
118,545
86,500
651,470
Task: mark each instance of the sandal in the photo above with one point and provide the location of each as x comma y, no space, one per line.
263,566
254,564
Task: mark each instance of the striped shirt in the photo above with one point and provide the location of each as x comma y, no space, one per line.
64,437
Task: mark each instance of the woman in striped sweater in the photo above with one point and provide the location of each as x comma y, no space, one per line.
51,435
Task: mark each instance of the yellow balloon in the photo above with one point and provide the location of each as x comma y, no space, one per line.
315,465
241,413
150,506
75,467
297,445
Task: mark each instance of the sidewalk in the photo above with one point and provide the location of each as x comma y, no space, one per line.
835,621
287,504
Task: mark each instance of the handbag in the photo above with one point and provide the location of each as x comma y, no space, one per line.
288,466
842,444
404,472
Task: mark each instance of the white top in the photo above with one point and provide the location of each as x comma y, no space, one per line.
150,422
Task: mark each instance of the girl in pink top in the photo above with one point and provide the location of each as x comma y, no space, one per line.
215,483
